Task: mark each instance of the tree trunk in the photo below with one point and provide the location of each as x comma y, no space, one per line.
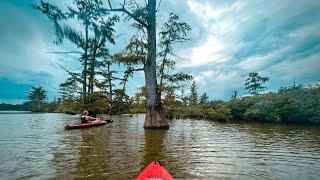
92,71
162,73
85,64
38,104
154,117
110,87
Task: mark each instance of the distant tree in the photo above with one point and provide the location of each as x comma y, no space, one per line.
204,99
38,96
254,83
234,95
137,102
173,31
123,96
193,98
69,89
182,97
177,82
108,82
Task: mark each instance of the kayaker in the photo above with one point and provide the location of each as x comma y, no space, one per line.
85,118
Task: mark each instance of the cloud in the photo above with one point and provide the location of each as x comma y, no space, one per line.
302,70
210,51
270,37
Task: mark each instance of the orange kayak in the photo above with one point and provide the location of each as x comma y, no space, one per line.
154,171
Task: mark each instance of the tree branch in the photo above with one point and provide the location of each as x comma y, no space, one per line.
53,87
158,8
109,4
69,52
127,12
139,69
71,73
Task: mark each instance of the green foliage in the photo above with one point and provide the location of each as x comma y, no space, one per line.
263,110
135,53
51,106
291,104
37,95
69,89
178,78
137,103
173,31
254,83
16,107
120,101
139,12
219,113
239,106
70,106
193,98
98,102
204,99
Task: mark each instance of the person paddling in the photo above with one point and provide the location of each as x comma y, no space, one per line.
85,118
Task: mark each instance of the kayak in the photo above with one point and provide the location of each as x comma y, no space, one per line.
154,171
86,125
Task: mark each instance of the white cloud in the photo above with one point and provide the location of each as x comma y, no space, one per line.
288,70
208,12
245,36
210,51
217,83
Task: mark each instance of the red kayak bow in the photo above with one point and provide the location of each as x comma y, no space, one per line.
154,171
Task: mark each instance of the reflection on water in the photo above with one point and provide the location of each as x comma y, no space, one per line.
36,146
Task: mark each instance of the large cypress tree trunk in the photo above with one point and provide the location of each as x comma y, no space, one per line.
154,117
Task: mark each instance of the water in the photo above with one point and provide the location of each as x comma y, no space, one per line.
35,146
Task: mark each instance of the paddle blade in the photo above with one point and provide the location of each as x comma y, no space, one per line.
109,121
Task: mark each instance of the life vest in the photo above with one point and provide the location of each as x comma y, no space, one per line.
84,120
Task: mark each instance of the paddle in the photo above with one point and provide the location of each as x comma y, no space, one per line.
109,121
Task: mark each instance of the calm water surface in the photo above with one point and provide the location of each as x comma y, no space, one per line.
35,146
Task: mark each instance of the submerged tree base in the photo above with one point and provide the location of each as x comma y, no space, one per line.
155,120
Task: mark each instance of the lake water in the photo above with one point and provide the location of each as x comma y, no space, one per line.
36,146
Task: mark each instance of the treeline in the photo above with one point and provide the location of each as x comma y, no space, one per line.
295,104
30,106
13,107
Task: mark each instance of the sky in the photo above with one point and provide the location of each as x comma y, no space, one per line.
229,39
